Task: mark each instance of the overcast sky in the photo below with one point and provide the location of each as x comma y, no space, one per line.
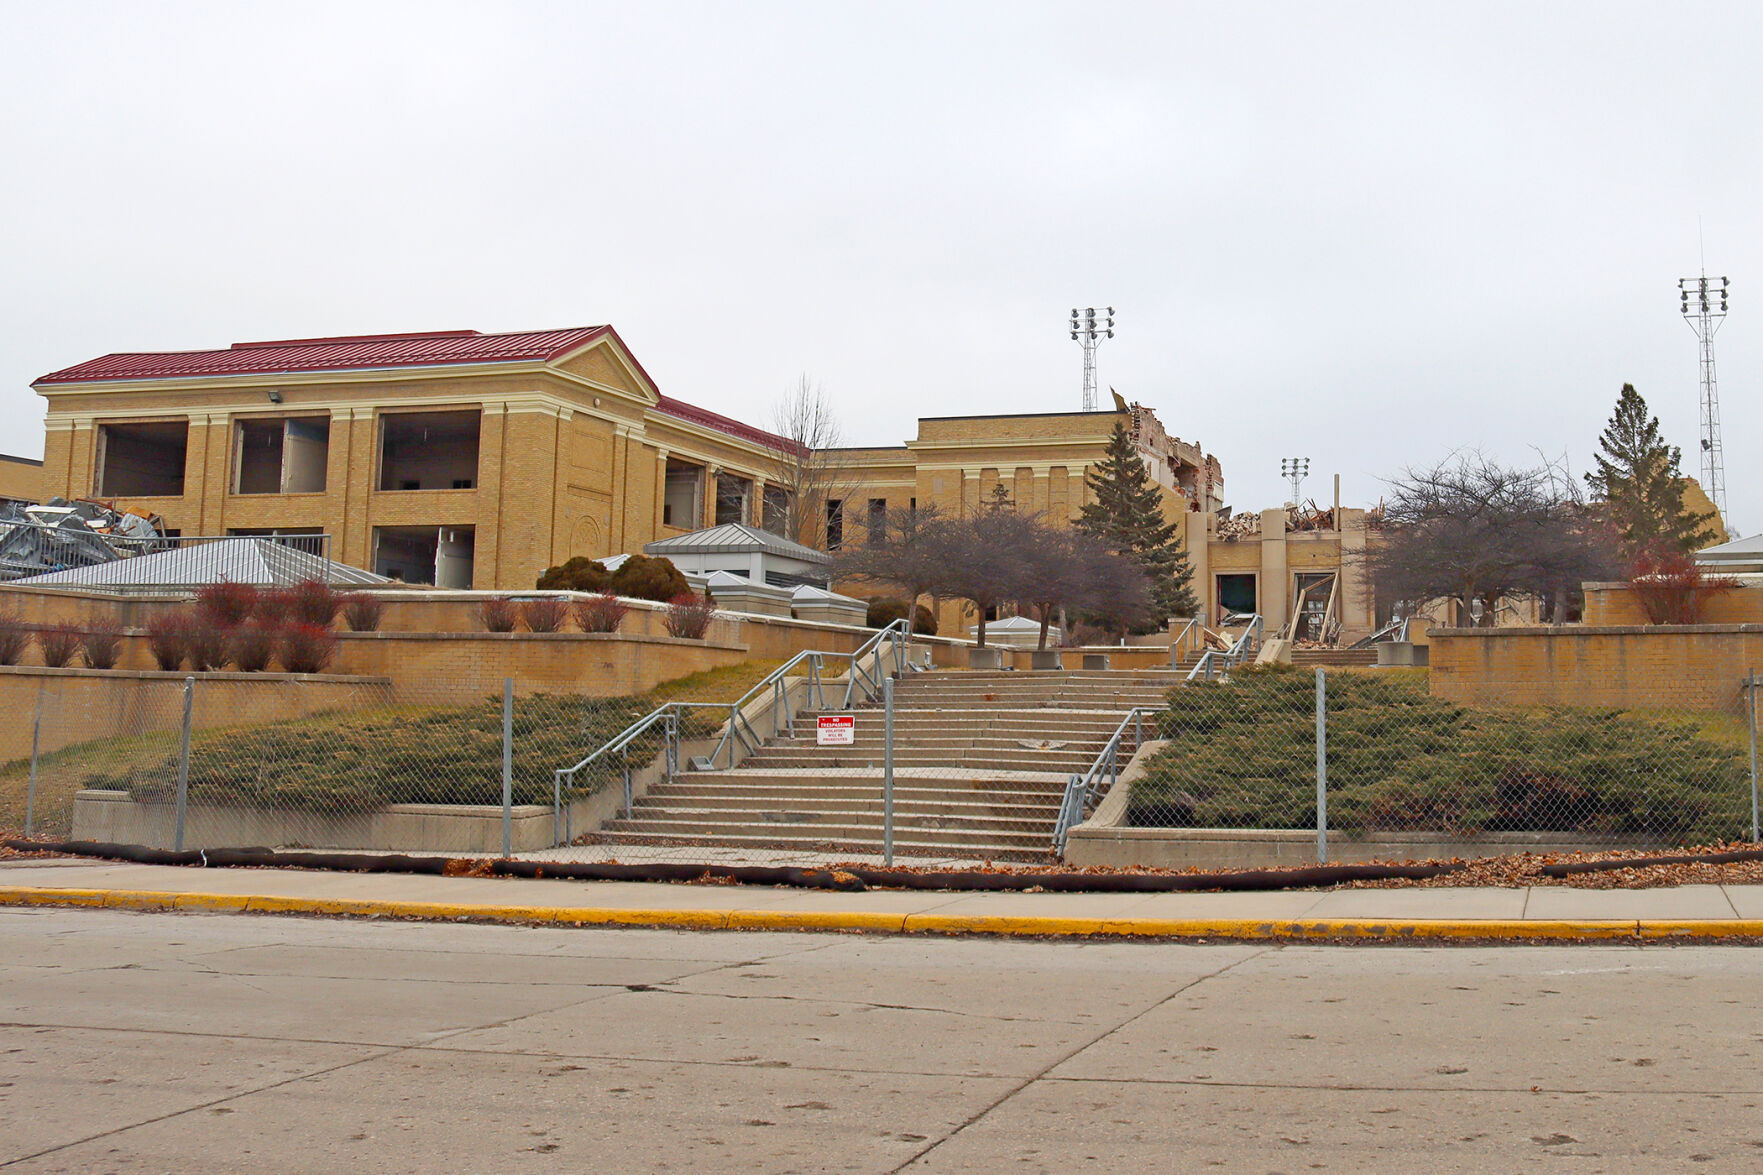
1368,235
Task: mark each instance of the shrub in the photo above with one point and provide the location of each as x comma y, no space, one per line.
58,643
206,645
1673,588
498,614
313,602
307,648
883,612
362,612
168,639
225,604
273,606
252,644
689,616
580,574
15,637
544,615
601,613
1401,759
102,642
641,577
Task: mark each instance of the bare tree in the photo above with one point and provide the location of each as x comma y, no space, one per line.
910,553
1068,569
1469,528
809,471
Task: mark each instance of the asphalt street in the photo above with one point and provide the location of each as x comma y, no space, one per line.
181,1042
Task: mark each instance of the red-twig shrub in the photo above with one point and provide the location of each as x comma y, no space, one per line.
225,604
544,615
168,639
498,614
362,612
58,643
689,616
314,602
206,645
1673,588
15,638
252,644
601,613
307,648
102,643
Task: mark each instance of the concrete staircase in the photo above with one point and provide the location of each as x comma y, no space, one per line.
980,765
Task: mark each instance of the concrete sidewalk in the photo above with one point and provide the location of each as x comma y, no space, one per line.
1542,913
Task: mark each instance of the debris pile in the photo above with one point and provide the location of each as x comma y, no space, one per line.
60,534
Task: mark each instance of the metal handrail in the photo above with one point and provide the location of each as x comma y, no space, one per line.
1085,790
1214,661
1181,639
737,728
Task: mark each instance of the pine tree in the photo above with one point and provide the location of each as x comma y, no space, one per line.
1127,516
1638,486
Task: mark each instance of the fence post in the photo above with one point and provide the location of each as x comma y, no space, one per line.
507,767
1321,767
1751,714
177,841
30,795
888,771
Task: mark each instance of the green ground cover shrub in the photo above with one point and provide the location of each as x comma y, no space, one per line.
1400,759
346,762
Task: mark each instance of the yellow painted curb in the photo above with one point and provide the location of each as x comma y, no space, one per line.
1385,929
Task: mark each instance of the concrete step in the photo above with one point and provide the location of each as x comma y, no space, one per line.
1011,808
822,841
803,757
952,834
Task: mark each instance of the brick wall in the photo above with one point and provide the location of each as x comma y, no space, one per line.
1696,667
1616,603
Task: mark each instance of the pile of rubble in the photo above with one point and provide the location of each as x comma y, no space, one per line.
60,534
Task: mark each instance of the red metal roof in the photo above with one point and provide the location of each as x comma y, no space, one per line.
363,352
704,418
344,353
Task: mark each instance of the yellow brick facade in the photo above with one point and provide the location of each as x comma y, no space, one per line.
21,480
572,457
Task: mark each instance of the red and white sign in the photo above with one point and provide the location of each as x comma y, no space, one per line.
835,730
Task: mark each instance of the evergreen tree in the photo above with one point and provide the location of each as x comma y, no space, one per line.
1127,516
1638,487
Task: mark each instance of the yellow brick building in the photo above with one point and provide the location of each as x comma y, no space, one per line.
455,458
473,460
21,479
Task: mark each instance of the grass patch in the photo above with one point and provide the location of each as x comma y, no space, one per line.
1399,759
359,760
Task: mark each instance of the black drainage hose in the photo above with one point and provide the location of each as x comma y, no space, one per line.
841,878
1572,867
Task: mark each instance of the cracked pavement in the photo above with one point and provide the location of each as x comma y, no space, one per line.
152,1042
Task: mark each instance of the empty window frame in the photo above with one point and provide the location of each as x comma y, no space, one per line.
776,510
878,521
1236,593
439,555
142,460
429,450
683,495
732,497
835,523
281,456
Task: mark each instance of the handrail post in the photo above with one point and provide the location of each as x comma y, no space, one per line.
183,801
888,772
507,767
1751,714
624,760
1321,767
557,808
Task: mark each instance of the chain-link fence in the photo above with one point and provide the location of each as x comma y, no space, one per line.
1387,768
810,762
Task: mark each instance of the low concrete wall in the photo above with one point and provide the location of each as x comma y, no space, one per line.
85,705
1689,667
1106,839
114,817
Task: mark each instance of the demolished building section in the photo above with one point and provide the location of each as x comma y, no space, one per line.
61,535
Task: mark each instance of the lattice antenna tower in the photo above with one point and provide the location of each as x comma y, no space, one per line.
1089,329
1702,302
1295,470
